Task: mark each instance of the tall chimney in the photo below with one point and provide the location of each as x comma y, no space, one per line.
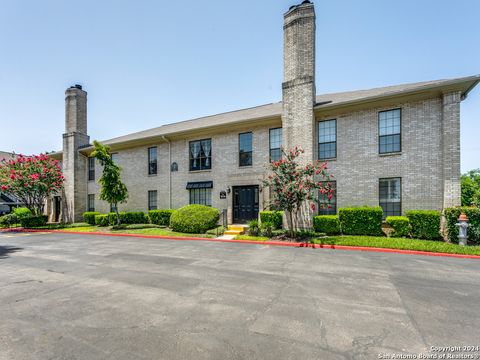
298,120
74,164
299,79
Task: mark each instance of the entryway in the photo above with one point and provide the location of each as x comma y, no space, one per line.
245,203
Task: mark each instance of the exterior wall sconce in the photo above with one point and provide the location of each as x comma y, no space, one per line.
229,190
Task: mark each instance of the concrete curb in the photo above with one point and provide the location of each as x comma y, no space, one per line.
273,243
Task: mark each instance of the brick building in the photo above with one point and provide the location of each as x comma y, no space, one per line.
396,146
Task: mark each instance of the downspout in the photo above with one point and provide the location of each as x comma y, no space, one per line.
164,138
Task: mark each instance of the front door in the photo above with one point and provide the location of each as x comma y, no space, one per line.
57,205
245,204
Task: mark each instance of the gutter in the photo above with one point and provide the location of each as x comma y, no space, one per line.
169,171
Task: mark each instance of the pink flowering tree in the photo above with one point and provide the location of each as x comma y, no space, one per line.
293,184
31,179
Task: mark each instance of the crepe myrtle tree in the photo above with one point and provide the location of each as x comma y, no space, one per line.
31,179
293,184
113,190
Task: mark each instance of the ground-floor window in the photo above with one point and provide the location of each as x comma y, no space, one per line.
391,196
113,208
328,206
152,200
91,202
201,196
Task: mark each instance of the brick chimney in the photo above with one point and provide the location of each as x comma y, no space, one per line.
74,164
299,78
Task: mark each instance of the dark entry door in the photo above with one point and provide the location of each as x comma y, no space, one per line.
245,203
57,204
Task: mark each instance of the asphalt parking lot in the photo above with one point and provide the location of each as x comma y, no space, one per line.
95,297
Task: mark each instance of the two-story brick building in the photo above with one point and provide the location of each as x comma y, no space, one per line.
397,146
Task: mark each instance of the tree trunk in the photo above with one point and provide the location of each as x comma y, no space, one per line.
292,227
118,214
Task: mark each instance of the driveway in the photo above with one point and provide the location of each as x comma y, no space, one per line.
96,297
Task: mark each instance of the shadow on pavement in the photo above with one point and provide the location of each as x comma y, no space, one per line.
6,250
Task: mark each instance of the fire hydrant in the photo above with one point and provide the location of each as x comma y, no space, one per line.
462,229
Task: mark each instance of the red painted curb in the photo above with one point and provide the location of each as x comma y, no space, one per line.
273,243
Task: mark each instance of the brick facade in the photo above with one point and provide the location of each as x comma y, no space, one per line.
428,163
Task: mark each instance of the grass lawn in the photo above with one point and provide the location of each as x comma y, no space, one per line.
388,243
152,231
399,243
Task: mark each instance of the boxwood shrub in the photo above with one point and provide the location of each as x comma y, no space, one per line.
424,224
102,220
34,221
328,224
400,225
451,217
273,217
89,217
194,219
133,217
160,217
361,220
22,212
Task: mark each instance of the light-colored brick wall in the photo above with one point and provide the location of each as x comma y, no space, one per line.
225,171
359,166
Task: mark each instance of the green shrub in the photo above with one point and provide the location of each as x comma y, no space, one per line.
9,220
451,217
22,212
194,219
273,217
160,217
34,221
266,229
218,231
102,220
133,217
253,228
399,224
424,224
361,221
328,224
89,217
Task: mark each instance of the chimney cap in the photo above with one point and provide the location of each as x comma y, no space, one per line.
306,2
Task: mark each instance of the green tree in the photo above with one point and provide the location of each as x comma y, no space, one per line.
292,184
471,188
113,190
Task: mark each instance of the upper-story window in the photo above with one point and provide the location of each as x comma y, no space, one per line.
152,161
275,144
201,154
91,168
389,132
245,149
327,139
114,157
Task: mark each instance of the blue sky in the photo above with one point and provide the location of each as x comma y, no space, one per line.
145,63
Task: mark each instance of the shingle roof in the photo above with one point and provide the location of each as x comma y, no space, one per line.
275,109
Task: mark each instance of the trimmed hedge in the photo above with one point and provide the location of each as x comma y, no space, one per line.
361,220
273,217
400,225
194,219
89,217
424,224
9,220
160,217
133,217
451,217
34,221
328,224
22,212
102,220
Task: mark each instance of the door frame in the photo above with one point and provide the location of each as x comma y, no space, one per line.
236,220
